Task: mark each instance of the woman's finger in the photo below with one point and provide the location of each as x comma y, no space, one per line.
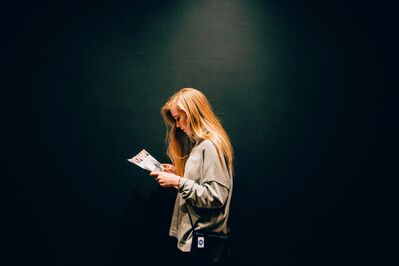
154,173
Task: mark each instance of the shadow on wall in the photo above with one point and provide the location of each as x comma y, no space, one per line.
142,238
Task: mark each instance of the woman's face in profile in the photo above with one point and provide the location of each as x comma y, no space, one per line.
180,118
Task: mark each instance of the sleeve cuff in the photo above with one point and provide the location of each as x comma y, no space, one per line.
182,182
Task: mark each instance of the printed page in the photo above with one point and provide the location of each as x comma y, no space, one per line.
144,160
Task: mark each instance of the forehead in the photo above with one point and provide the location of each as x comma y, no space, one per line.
175,110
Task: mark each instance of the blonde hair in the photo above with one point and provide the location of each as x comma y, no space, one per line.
202,122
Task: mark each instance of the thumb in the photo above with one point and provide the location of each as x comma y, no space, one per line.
154,173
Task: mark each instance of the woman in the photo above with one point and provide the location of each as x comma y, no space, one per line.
202,169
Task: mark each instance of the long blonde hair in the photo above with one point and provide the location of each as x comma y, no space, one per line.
202,122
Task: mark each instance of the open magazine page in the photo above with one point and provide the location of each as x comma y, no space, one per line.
144,160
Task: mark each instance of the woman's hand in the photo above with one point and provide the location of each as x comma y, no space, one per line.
170,168
166,179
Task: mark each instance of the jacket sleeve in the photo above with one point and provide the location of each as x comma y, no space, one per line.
215,182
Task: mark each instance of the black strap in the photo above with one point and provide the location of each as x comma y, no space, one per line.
191,220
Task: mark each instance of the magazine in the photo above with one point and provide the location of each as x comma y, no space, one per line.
144,160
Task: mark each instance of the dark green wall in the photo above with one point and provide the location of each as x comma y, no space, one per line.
291,83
